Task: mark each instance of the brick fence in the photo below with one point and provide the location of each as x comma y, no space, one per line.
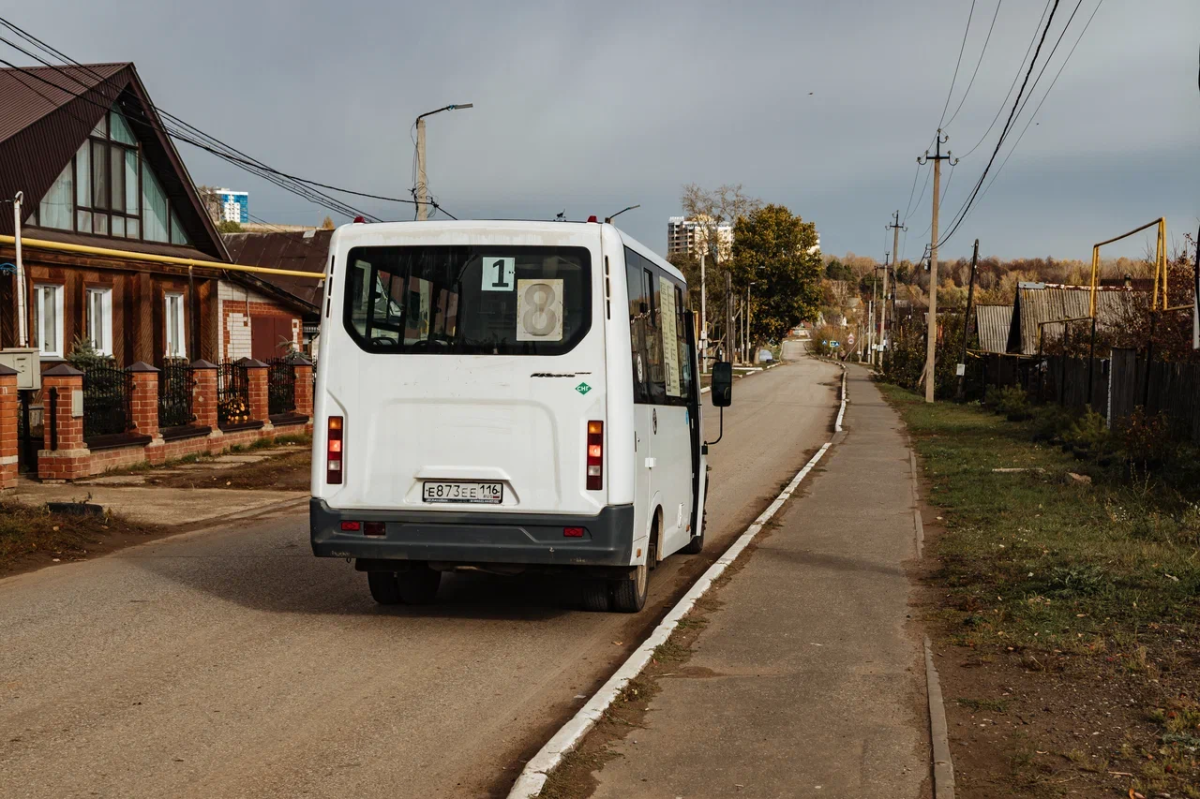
67,456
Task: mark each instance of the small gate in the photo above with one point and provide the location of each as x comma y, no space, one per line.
30,436
281,387
233,395
175,394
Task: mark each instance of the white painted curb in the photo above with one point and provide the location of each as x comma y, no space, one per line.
837,425
533,776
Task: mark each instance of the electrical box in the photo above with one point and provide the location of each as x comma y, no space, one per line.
28,363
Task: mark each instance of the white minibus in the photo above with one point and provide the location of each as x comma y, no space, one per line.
507,397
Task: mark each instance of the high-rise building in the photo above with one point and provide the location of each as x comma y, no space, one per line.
689,236
233,206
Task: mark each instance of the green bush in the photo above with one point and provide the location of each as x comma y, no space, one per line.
1012,403
1051,423
1089,437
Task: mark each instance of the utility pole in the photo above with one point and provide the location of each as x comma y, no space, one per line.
728,316
896,228
703,318
19,278
958,394
931,330
422,188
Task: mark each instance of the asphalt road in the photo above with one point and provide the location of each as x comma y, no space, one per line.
232,663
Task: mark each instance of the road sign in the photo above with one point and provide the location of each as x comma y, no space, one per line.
850,340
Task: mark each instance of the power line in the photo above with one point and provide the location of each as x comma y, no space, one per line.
208,143
1004,133
1033,116
977,64
1013,85
957,63
279,179
923,188
912,191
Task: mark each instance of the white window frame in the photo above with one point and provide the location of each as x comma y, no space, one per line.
101,339
179,334
40,293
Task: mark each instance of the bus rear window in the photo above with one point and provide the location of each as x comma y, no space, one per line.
468,300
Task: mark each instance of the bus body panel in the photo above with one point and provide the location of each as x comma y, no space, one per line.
520,420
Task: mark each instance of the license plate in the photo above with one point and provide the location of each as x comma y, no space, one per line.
471,493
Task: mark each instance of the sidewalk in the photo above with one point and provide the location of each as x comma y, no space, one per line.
805,682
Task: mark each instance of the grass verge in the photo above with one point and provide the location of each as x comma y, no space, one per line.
1072,607
30,537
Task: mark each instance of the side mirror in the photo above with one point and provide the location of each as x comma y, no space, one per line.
722,384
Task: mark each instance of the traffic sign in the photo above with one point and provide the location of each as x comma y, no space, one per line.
850,340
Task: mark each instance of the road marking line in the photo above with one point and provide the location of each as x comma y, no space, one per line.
533,777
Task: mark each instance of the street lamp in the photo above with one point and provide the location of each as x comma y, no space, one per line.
422,185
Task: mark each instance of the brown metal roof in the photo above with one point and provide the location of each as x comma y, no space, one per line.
53,111
28,96
1038,303
299,251
993,323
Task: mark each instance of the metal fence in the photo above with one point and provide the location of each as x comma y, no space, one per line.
175,389
233,395
281,386
107,389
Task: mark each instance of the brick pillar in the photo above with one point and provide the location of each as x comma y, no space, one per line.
303,371
256,389
144,399
9,408
204,394
66,457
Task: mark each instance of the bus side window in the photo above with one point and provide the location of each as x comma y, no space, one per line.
654,341
638,305
685,353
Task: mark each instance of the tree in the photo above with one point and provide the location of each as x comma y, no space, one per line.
713,208
229,226
327,224
777,250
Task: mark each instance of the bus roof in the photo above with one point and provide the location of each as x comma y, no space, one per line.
508,227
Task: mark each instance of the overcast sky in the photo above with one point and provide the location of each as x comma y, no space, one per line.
822,106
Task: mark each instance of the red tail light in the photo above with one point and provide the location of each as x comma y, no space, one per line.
595,456
333,452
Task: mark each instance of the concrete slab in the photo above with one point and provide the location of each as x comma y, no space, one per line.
806,682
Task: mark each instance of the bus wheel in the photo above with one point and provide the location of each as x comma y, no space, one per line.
384,588
595,596
629,594
418,585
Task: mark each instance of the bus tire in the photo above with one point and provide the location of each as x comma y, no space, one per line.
385,589
629,594
595,596
418,585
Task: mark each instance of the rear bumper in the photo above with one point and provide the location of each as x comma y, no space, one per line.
449,536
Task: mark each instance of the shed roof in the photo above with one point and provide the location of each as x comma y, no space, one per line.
1046,305
993,323
299,251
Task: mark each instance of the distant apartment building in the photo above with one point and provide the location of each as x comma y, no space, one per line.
689,236
233,206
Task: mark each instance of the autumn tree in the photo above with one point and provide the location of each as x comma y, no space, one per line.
327,224
776,249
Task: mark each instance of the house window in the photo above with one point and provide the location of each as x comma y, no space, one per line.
108,189
48,319
99,319
176,340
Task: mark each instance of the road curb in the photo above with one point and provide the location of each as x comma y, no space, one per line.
943,767
837,425
533,777
918,524
707,389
